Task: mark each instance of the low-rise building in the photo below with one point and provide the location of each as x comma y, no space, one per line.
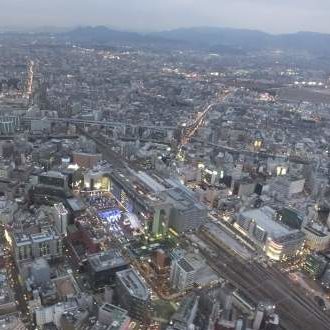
114,317
86,160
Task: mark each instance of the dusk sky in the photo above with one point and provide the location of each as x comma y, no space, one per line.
274,16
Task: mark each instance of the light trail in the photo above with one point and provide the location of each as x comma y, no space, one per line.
29,87
198,122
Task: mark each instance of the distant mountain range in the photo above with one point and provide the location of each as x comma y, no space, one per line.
101,35
207,38
250,39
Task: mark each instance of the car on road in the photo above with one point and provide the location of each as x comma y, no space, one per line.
320,302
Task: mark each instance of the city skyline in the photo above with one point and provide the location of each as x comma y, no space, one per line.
164,165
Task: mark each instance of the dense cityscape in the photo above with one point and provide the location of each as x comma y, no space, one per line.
153,185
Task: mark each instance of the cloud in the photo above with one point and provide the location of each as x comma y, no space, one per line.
270,15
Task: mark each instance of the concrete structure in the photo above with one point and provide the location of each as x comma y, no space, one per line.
40,125
54,313
45,244
186,213
61,216
315,265
40,272
53,179
86,160
51,314
161,203
133,294
7,210
284,187
5,170
114,317
96,179
273,237
12,322
102,267
316,238
182,274
184,317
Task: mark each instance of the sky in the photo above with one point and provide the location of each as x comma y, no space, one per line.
274,16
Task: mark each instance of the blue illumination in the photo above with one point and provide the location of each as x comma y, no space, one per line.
109,215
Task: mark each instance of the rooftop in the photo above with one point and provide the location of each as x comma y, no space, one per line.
315,231
44,235
263,218
76,204
53,174
185,265
106,260
60,208
134,283
118,316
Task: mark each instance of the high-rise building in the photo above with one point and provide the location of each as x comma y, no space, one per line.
182,274
133,294
7,149
186,213
102,267
172,205
61,215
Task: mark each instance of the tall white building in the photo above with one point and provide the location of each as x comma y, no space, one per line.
49,314
182,274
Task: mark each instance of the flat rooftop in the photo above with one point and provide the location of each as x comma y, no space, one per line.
151,189
263,219
45,235
76,204
65,287
106,260
185,265
181,199
53,174
60,208
315,231
118,316
134,283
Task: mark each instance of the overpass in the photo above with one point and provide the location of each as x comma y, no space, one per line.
261,154
109,124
